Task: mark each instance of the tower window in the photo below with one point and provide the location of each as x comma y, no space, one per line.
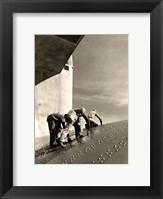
66,67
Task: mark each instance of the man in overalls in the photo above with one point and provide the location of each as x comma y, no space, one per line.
56,122
91,116
73,119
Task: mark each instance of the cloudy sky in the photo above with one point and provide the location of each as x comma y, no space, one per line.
101,76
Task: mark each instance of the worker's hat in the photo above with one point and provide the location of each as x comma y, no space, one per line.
83,110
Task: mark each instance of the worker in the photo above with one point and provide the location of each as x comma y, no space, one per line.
56,122
63,137
91,116
73,118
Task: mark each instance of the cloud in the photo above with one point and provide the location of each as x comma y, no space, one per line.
101,75
110,108
102,96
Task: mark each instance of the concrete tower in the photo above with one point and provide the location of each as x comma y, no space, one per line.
53,95
53,77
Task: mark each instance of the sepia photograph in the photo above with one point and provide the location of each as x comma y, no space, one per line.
81,99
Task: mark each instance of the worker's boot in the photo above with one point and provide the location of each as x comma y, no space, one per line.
79,139
88,133
81,136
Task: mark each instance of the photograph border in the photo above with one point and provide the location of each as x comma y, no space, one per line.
7,8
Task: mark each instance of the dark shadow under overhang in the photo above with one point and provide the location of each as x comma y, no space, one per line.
51,54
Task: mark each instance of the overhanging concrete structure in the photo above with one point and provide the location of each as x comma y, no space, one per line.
51,54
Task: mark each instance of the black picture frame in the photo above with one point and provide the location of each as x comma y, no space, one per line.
7,8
